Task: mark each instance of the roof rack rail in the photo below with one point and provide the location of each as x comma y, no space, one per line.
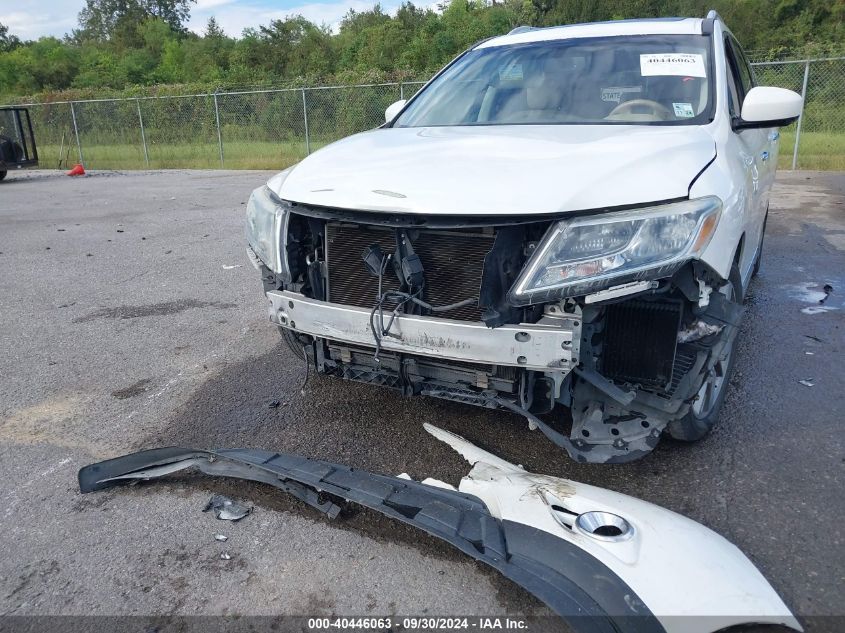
522,29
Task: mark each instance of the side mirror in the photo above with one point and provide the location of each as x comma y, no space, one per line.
769,107
393,109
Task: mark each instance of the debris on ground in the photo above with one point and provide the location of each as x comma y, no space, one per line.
274,404
807,382
827,289
221,537
602,560
231,266
225,509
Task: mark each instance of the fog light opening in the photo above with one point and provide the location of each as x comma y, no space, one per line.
604,526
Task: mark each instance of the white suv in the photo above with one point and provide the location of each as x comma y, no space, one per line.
561,223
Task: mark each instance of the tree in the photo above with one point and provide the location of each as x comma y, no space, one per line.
296,47
116,20
8,42
213,30
142,42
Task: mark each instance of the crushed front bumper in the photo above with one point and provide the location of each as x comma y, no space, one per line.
537,346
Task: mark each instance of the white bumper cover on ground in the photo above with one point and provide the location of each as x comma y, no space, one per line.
690,578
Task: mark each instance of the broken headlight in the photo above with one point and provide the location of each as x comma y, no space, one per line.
265,215
585,254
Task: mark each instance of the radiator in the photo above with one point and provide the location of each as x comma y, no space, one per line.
640,342
453,262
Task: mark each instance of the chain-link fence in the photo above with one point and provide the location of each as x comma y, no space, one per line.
271,129
817,139
262,129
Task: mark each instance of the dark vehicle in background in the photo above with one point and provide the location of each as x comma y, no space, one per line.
17,142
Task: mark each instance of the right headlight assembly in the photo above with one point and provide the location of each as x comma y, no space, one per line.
585,254
265,224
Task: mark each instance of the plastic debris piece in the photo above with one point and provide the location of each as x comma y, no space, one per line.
230,267
77,170
807,382
221,537
225,509
226,556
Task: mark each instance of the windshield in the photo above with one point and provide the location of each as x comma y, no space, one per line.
641,80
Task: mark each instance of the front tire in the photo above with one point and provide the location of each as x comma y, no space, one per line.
705,410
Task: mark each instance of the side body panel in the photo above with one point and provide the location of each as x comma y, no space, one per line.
741,175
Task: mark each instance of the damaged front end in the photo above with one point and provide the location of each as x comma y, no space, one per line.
612,317
603,561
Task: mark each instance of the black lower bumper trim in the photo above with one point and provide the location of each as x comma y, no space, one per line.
581,589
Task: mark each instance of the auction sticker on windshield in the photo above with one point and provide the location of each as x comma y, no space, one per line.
673,64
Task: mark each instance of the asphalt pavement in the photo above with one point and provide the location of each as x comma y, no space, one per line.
131,318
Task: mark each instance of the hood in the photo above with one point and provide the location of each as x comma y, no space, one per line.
501,170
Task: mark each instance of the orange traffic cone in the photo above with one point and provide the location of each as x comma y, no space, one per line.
78,170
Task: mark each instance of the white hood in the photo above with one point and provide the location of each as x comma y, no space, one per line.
501,170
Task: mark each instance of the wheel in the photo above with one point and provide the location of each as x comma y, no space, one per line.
293,342
3,174
704,411
760,249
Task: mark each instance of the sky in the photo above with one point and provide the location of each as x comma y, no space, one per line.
31,19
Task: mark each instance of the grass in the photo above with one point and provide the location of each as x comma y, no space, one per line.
817,150
236,155
824,151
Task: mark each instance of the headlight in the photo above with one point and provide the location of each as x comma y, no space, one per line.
585,254
265,218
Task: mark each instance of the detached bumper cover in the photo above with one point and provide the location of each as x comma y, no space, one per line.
512,527
532,346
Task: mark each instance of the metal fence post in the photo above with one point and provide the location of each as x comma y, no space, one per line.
401,91
219,135
143,134
76,133
305,118
801,116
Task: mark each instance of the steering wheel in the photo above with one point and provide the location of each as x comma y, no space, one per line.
624,111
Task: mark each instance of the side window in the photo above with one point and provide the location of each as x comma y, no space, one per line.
734,93
746,74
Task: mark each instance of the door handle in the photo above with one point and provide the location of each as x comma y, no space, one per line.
764,156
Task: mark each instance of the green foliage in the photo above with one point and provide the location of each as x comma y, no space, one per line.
116,21
8,42
126,43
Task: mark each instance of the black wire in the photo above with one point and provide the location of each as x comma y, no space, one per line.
405,297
